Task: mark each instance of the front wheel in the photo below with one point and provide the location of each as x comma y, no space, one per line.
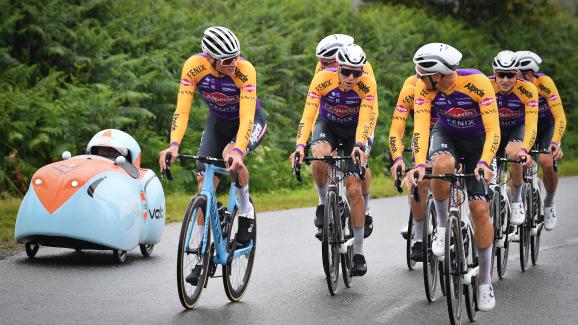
119,256
430,261
330,242
453,268
409,242
237,271
525,229
31,249
146,250
347,259
537,226
503,252
471,290
193,252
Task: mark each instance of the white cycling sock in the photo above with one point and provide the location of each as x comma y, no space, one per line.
417,230
485,259
322,192
358,240
243,201
516,193
549,199
441,211
366,199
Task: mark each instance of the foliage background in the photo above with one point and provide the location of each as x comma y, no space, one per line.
71,68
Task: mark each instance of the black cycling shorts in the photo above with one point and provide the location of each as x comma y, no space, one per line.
333,134
218,133
468,148
513,134
545,133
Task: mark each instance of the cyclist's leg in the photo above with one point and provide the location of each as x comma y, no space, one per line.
549,176
322,144
515,138
365,189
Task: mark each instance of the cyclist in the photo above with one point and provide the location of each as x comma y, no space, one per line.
466,108
346,101
326,52
551,126
403,109
112,143
518,110
235,124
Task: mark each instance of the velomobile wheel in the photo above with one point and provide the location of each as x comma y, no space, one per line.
31,249
146,250
119,256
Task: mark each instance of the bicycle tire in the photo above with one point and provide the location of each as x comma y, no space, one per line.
430,261
31,249
538,224
471,290
189,294
329,244
234,281
495,214
504,252
524,230
408,241
347,258
453,259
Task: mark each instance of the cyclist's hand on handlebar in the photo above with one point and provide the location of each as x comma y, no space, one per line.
237,160
523,156
174,150
488,174
396,165
301,152
410,179
556,152
362,155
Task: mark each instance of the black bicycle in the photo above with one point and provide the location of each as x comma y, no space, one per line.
337,233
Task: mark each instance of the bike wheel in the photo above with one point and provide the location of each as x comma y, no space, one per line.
408,242
146,250
525,229
430,264
330,242
347,258
471,290
495,214
237,271
193,250
537,226
453,262
503,252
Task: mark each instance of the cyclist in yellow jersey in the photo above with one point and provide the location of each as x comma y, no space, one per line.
551,127
518,110
326,52
404,109
346,102
235,124
467,127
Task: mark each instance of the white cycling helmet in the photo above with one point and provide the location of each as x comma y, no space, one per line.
529,60
121,141
220,42
506,61
351,55
327,47
437,58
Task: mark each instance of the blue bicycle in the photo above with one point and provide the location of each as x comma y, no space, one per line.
198,254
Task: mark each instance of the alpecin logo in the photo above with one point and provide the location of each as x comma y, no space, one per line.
525,92
473,89
341,110
220,98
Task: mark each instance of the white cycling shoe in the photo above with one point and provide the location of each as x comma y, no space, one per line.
550,218
486,299
518,213
403,230
438,245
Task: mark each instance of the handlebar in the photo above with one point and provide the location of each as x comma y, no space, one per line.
202,159
450,177
359,166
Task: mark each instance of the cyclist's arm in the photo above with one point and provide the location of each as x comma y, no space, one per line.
555,103
184,102
368,110
421,124
491,120
531,117
400,114
311,109
247,104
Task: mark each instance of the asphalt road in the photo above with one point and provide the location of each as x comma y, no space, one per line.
288,286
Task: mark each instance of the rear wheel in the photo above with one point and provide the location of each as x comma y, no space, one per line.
193,250
453,269
146,250
409,242
237,271
430,264
119,256
330,242
31,249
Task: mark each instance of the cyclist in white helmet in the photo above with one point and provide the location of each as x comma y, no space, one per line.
467,127
346,100
235,124
326,52
518,109
551,127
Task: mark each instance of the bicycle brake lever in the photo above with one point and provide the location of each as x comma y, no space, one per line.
167,170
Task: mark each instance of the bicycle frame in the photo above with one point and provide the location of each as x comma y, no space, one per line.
208,190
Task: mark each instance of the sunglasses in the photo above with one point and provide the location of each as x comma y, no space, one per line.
509,75
420,76
326,62
349,72
229,61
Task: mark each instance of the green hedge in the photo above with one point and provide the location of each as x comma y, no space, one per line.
71,68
